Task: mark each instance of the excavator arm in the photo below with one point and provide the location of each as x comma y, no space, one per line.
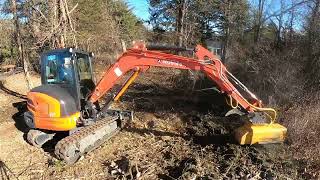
139,58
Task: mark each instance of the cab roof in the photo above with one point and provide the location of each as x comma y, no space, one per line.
62,50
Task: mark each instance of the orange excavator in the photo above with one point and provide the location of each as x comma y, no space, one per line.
69,100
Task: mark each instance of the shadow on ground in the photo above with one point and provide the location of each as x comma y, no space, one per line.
202,112
155,99
5,171
18,116
203,140
10,92
21,126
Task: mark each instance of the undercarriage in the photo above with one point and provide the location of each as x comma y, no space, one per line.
83,139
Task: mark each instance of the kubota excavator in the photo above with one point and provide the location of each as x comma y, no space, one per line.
67,100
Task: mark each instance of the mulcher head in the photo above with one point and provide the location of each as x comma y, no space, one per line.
259,128
260,133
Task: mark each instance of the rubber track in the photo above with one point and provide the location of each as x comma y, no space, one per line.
74,139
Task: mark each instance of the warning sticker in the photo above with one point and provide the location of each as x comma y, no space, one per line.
118,71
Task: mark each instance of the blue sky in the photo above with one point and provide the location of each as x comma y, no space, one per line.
139,8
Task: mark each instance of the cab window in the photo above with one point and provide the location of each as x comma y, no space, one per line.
85,75
84,67
59,69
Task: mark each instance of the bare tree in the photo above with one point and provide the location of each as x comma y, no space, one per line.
226,29
22,59
279,24
291,23
180,20
61,23
258,20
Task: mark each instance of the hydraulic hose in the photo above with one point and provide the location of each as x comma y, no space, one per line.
270,112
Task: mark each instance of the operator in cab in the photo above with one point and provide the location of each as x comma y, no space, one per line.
65,71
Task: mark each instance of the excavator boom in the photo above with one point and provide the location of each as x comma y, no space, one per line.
140,59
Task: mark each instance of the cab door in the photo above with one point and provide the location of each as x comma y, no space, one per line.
85,75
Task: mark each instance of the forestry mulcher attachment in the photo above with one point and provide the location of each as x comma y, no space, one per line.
67,100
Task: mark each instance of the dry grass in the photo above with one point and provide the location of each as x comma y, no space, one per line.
304,132
280,79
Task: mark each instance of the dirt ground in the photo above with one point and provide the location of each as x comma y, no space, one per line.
175,135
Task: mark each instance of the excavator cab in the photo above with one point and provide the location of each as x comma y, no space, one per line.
66,81
70,69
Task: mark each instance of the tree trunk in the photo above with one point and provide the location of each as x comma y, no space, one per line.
312,49
313,23
19,44
180,21
280,26
63,17
292,18
35,25
226,39
61,23
258,21
53,19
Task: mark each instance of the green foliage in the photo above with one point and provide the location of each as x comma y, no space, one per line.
5,53
163,14
130,26
202,19
90,18
59,165
6,39
101,25
89,14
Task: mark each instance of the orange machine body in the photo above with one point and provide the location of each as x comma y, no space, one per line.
46,112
